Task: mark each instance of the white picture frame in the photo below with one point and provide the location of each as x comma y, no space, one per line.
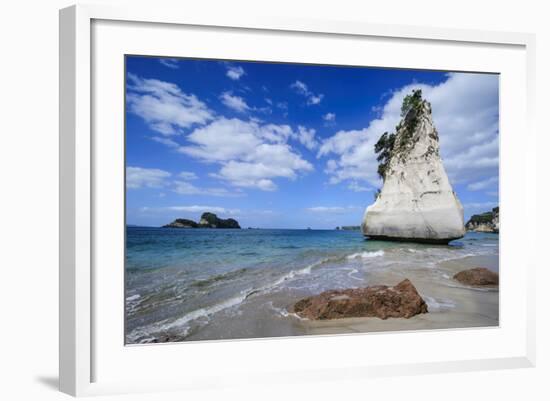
79,317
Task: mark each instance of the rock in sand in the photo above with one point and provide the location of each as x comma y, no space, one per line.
478,276
380,301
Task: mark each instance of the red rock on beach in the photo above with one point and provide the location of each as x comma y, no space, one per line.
380,301
478,276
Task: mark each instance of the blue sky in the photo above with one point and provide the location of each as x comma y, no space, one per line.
290,145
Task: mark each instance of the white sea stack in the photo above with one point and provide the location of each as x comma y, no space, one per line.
417,202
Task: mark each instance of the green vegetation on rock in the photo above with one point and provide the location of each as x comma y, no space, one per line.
482,218
383,149
412,101
182,223
485,222
210,220
386,147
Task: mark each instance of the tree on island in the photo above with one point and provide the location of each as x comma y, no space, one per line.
410,101
385,146
383,149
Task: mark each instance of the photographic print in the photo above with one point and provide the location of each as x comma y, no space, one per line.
281,199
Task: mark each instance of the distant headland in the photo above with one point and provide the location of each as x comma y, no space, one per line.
487,222
208,220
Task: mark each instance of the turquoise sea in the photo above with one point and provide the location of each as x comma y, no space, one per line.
200,284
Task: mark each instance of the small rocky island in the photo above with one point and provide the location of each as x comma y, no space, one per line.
349,228
487,222
208,220
417,202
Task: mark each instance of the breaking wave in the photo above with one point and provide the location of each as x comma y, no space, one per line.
365,255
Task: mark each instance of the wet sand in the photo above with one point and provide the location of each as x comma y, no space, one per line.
450,304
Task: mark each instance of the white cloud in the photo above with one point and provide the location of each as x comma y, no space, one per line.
332,165
307,137
302,89
170,63
236,103
356,187
163,106
332,209
250,154
357,160
479,185
282,105
186,188
223,140
252,175
239,105
479,206
465,113
188,175
202,209
234,72
329,117
166,141
315,99
138,177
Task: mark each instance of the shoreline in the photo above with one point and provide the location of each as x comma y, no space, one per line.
256,300
468,307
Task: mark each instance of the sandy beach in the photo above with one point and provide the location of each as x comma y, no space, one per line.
465,307
229,291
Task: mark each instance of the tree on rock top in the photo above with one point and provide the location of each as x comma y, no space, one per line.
385,146
212,221
410,101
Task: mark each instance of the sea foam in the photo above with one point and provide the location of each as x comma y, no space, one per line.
365,255
183,321
437,305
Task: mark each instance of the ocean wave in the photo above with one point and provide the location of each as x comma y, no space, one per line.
284,312
455,257
438,305
351,274
365,255
144,334
132,303
472,288
219,277
290,275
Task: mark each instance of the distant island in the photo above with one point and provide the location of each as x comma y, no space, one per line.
349,228
487,222
208,220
